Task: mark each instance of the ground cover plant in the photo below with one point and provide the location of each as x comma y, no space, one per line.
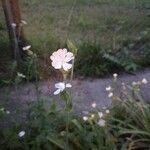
116,30
125,124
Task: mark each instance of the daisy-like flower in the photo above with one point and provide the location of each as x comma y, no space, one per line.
26,47
85,118
21,134
144,81
61,86
108,88
94,105
61,58
20,75
110,94
101,122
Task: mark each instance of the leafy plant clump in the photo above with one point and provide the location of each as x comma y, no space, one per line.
90,61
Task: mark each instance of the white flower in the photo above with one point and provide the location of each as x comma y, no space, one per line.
115,75
85,118
20,75
7,112
94,105
92,116
108,88
110,94
13,25
61,58
100,114
107,111
134,83
61,86
62,133
144,81
21,134
101,122
23,22
26,47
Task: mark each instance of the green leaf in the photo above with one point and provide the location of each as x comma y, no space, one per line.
77,124
56,141
52,108
72,47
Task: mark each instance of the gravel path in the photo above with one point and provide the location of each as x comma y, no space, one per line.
84,92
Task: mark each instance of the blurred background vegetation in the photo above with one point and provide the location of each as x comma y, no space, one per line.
111,35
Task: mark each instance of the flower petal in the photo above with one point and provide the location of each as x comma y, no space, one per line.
68,85
67,66
69,57
60,86
56,65
57,92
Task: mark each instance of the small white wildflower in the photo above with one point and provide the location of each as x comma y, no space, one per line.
7,112
21,134
101,122
108,88
62,133
85,118
92,116
23,22
26,47
107,111
134,83
13,25
110,95
20,75
115,75
144,81
100,114
94,105
61,87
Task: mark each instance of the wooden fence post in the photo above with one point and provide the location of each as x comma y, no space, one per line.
13,21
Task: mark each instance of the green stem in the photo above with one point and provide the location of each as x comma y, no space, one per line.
67,130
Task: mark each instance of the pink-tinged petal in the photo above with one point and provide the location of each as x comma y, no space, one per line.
65,50
57,92
67,66
56,65
69,57
52,57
